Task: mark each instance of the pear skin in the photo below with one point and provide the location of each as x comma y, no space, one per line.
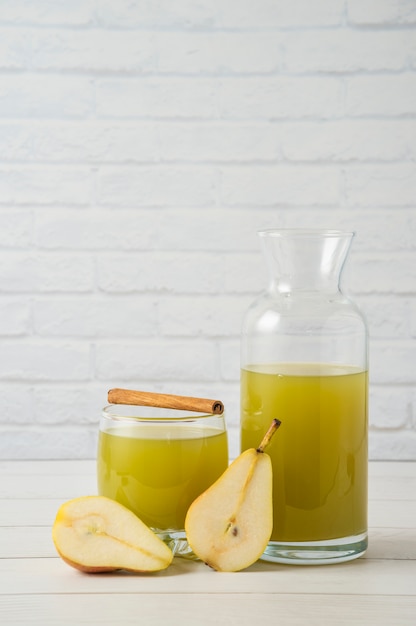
96,534
230,524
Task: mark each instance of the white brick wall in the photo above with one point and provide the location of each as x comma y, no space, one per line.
142,145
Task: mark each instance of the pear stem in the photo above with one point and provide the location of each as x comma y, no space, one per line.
267,437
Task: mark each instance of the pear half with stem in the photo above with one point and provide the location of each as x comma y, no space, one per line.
230,524
96,534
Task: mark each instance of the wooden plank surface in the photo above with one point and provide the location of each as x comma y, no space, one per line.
37,587
236,609
38,486
361,577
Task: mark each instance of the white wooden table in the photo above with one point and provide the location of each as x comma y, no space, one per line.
36,587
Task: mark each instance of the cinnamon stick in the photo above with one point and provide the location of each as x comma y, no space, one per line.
165,401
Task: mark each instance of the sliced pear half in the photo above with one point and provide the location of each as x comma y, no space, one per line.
97,534
230,524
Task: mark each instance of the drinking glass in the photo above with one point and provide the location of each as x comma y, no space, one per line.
156,461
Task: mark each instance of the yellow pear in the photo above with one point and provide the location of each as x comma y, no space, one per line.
96,534
230,524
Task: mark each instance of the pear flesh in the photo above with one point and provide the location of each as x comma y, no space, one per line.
230,524
96,534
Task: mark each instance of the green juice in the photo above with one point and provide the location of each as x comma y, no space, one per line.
319,453
157,474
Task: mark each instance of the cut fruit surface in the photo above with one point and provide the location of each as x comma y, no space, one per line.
230,524
97,534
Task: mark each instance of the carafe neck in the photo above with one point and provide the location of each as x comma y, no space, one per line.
305,260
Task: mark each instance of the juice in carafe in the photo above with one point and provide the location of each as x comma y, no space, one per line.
319,455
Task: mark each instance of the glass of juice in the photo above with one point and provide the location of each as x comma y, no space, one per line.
156,461
305,362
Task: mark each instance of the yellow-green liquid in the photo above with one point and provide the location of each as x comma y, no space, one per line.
158,475
319,453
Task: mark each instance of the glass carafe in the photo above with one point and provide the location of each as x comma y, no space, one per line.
304,360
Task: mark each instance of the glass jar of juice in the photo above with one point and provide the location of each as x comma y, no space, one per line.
305,361
156,461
